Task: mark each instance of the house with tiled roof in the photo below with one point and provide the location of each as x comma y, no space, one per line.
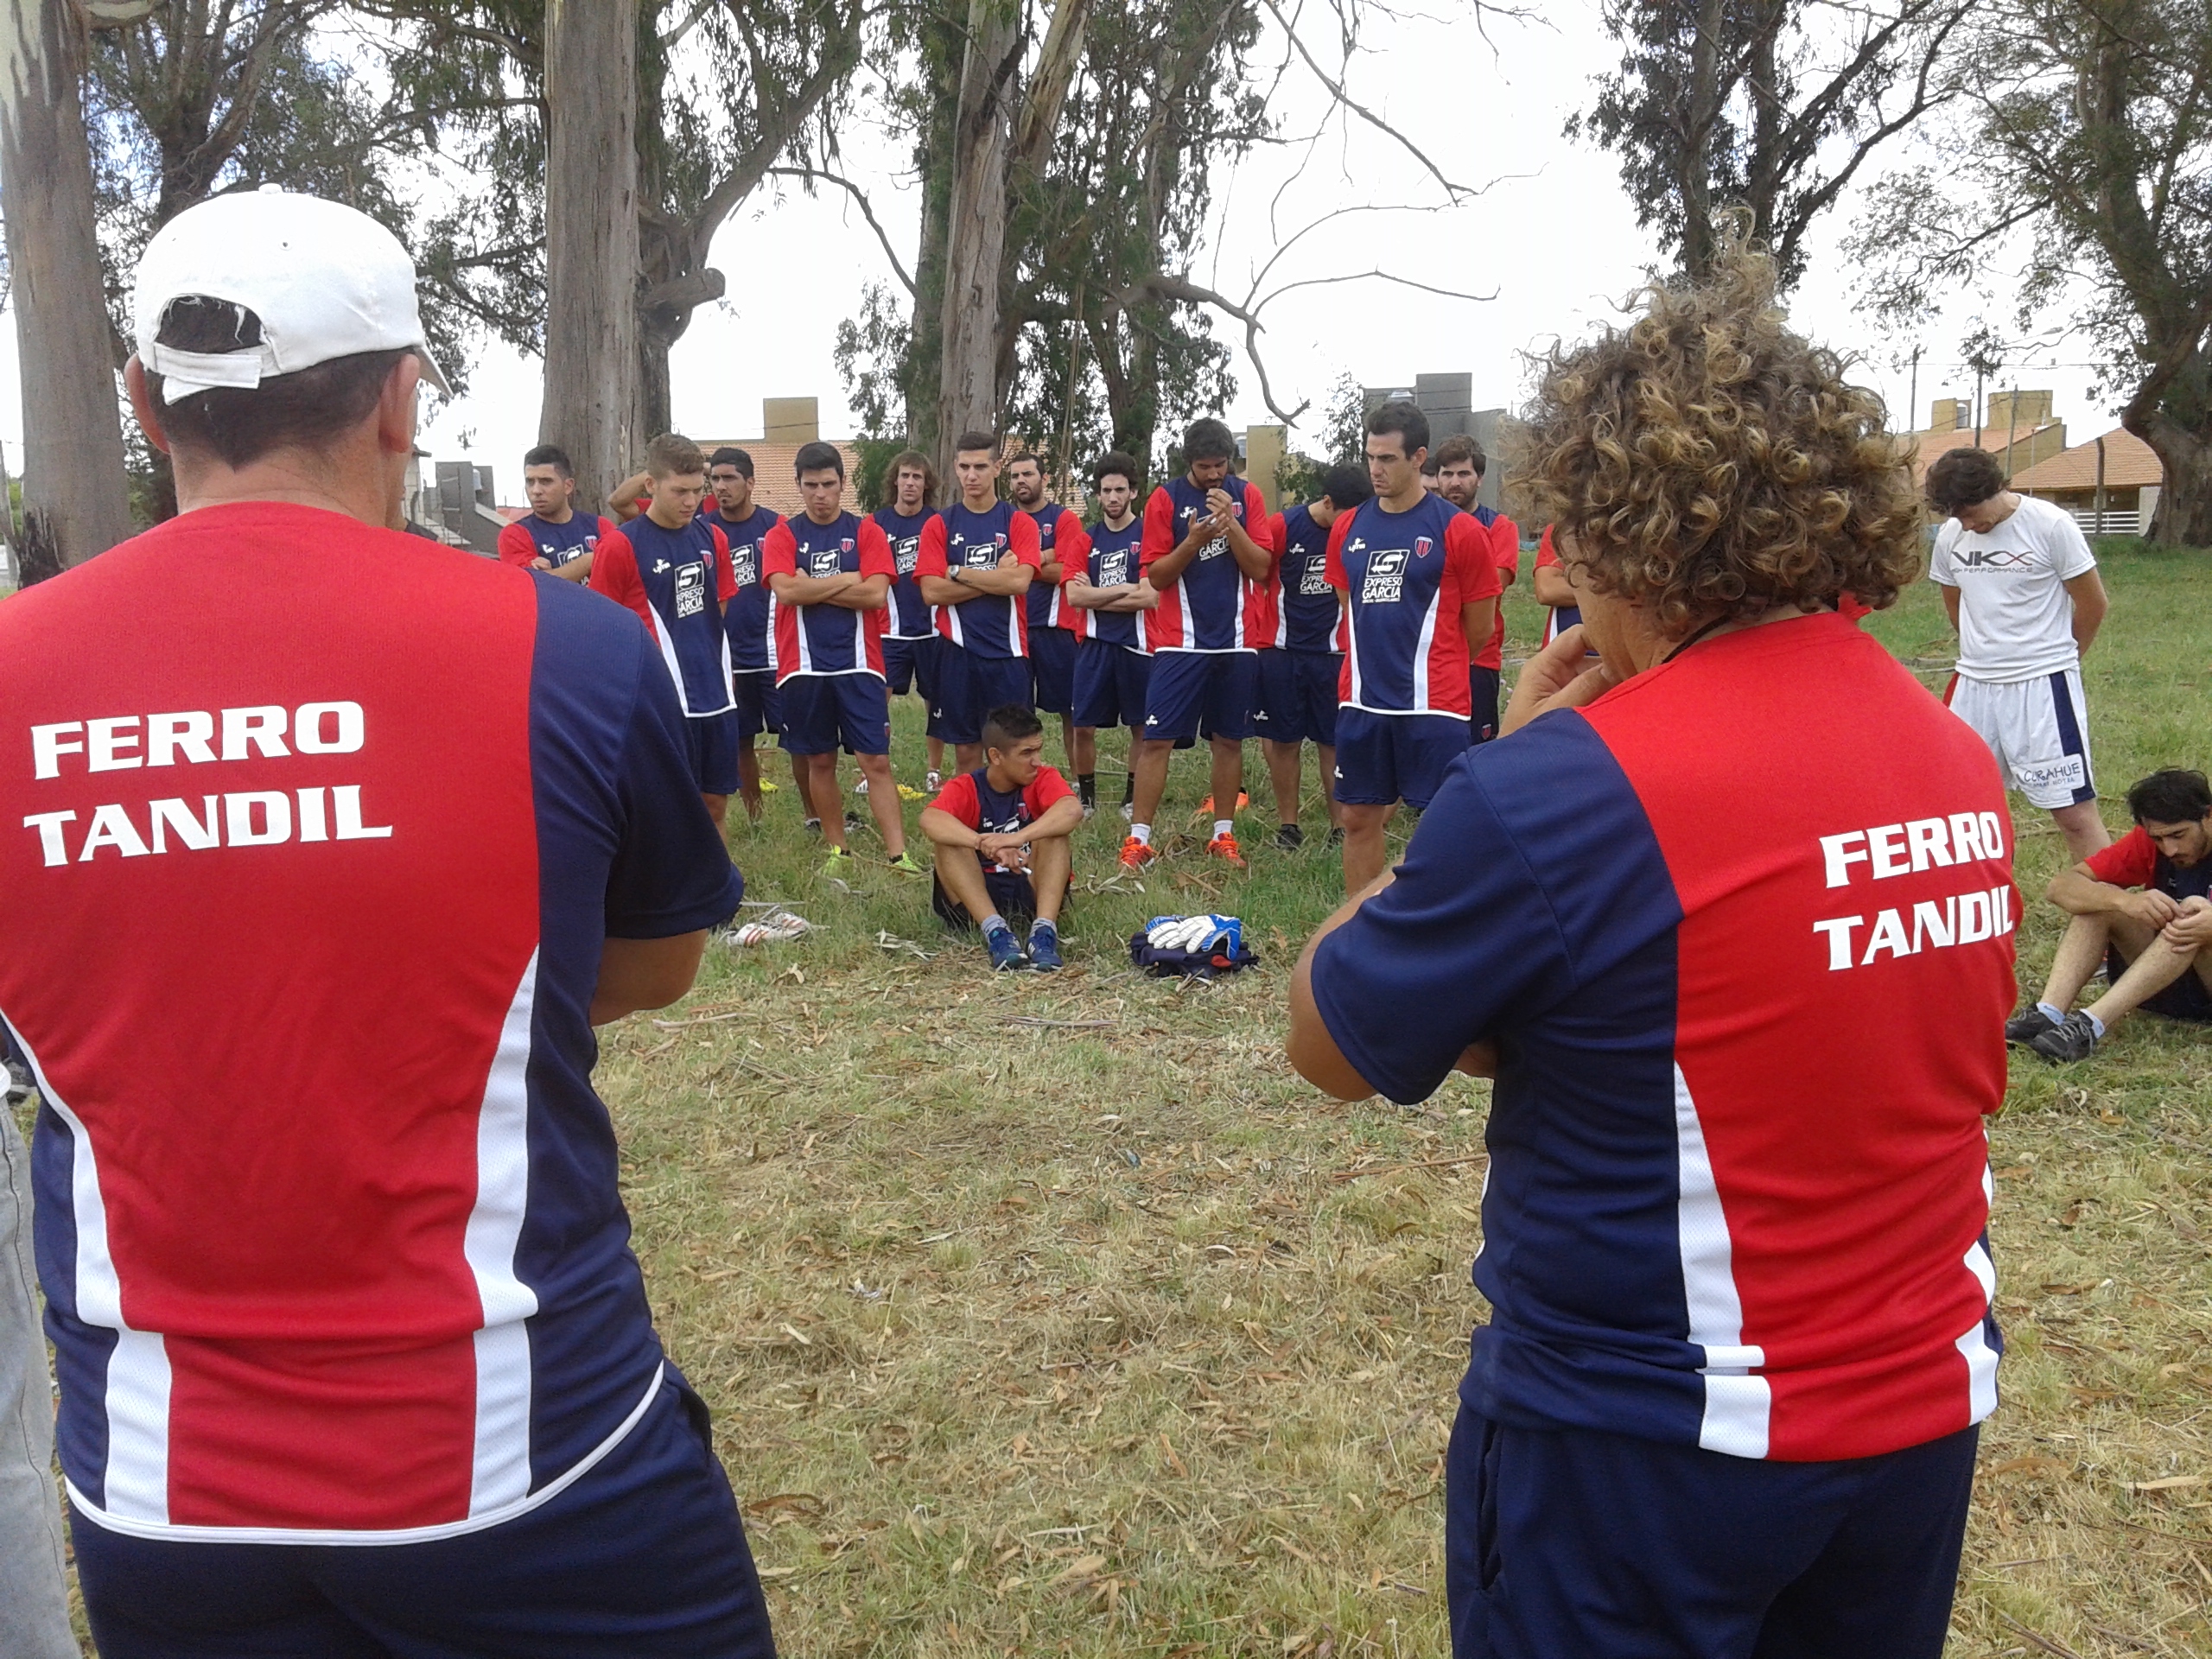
2127,469
2017,428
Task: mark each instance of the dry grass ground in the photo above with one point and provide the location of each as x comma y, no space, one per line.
1056,1315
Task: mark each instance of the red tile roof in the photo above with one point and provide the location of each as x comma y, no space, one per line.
2130,464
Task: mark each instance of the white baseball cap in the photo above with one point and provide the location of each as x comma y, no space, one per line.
326,280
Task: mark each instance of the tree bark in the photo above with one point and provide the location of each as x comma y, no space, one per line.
975,244
2183,518
76,499
592,363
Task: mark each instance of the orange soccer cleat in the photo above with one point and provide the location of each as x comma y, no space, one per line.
1225,848
1206,807
1135,854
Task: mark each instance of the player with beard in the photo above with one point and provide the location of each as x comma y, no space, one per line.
1460,464
1062,546
910,646
749,621
1112,668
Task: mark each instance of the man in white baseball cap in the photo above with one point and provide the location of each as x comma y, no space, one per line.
316,894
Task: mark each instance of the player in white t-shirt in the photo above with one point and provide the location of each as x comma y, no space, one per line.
2023,591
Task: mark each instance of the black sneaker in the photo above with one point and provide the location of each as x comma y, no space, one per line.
1336,834
2073,1039
1290,838
2030,1023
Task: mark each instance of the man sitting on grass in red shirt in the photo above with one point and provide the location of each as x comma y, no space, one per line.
1002,848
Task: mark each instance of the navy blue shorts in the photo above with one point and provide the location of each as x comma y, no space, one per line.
969,686
2185,999
1386,758
1110,685
644,1556
1297,700
1482,693
1201,694
712,739
760,704
912,663
1052,669
1012,893
824,713
1603,1546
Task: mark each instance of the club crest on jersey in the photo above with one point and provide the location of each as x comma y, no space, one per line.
845,546
1422,545
1385,581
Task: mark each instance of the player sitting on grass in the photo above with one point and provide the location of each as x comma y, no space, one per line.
2143,905
1002,848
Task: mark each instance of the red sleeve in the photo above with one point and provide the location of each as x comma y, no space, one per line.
1259,522
2131,862
1546,553
607,528
1021,537
1072,545
958,798
1467,553
779,552
1048,787
614,573
725,573
1505,545
1333,569
875,551
1278,542
516,546
1159,528
929,558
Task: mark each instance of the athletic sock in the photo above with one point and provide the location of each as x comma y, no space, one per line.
2096,1025
1140,832
1223,827
995,923
1040,925
2057,1016
1086,787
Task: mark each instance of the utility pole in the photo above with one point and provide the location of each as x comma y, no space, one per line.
1912,397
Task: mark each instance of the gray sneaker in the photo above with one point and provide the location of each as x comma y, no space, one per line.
2073,1039
2030,1023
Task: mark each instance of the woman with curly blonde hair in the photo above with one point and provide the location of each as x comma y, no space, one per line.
1728,917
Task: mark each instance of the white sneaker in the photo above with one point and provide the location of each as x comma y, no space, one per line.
933,783
1088,813
1129,811
860,788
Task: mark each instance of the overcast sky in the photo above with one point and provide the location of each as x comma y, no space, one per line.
1553,237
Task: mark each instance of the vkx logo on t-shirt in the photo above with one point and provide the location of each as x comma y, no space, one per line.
691,590
1993,558
1385,581
233,818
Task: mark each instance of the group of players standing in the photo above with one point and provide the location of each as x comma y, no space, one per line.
1365,622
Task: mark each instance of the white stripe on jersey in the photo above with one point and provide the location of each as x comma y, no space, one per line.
500,1475
1737,1403
1421,648
136,1403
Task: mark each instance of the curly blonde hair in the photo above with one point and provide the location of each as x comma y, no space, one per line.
1708,463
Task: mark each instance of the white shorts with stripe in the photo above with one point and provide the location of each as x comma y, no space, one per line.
2038,729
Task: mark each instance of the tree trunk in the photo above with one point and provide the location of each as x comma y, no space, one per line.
1702,110
975,243
76,500
591,241
2183,518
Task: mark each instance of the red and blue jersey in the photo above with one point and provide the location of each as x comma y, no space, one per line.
1116,557
1558,618
1405,576
309,889
678,581
1213,606
530,538
910,614
1742,931
989,625
1505,553
970,800
1307,611
1061,538
749,619
827,638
